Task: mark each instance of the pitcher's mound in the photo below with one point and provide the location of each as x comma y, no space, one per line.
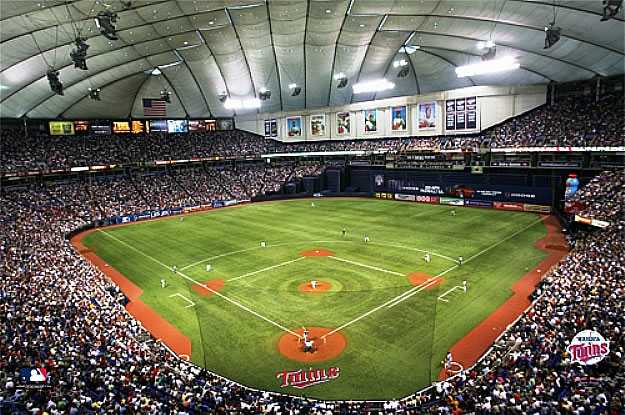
216,285
316,252
321,287
424,280
322,349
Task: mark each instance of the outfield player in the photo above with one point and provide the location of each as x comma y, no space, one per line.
366,239
427,257
344,231
208,267
452,213
163,283
312,204
181,218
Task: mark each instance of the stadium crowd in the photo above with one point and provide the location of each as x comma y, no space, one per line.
572,121
58,311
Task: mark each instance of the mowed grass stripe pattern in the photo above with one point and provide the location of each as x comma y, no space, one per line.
391,352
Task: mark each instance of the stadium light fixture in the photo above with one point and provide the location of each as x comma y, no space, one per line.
106,21
94,94
53,79
483,45
372,86
264,94
235,104
552,35
296,89
610,9
166,95
79,55
496,65
400,63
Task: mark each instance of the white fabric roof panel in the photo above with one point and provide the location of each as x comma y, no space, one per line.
237,47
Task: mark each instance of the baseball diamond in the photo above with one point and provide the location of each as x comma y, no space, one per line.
375,307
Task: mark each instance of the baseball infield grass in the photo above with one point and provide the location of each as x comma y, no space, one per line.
395,343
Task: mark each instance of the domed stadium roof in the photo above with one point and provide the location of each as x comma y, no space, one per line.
205,50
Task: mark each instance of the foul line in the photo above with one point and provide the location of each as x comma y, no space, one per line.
266,269
425,251
203,285
366,266
417,289
440,297
191,303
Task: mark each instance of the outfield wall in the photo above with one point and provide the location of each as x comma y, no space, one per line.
502,191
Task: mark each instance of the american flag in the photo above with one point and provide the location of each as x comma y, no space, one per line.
154,107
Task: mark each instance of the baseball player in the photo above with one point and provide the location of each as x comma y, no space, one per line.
427,257
308,346
208,267
163,283
175,268
312,204
452,213
344,231
314,284
366,239
306,335
460,259
464,285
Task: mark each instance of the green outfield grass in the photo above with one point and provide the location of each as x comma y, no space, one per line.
390,352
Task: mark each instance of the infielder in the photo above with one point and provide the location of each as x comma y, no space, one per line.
427,257
175,269
163,283
464,285
208,267
460,259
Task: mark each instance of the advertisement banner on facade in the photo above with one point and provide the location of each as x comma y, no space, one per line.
536,208
455,201
479,203
405,198
426,199
508,206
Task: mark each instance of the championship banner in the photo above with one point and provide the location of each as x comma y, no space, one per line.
461,114
274,128
267,128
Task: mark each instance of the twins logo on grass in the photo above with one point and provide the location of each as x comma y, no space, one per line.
300,379
588,347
